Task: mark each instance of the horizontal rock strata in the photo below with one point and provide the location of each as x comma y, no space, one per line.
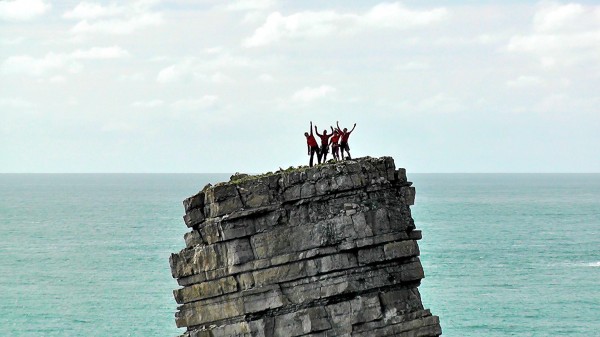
324,251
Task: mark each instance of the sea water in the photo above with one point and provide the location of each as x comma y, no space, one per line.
504,255
511,254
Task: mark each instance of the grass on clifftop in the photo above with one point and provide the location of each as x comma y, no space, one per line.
239,178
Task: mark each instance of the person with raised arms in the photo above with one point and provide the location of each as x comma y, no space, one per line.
345,135
324,142
335,146
312,146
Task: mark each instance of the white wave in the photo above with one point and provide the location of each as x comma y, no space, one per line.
594,264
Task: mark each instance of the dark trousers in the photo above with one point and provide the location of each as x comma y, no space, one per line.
335,151
344,147
324,150
314,149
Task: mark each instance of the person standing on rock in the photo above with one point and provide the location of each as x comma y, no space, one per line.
324,142
312,145
335,146
345,134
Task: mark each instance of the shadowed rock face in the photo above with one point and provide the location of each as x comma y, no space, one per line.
324,251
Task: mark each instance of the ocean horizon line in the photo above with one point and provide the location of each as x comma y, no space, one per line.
256,173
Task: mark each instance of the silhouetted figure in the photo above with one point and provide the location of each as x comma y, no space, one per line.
312,145
345,134
324,143
335,146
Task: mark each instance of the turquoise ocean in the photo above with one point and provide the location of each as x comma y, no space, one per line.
504,254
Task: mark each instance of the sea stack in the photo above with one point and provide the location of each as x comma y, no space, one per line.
324,251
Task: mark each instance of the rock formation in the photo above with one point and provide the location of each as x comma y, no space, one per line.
324,251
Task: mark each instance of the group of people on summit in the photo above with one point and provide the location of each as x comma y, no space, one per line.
338,139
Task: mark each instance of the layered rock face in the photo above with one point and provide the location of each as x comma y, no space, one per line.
323,251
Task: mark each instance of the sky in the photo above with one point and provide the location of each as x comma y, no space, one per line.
209,86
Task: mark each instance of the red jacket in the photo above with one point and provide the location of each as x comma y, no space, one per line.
324,139
311,141
335,138
345,136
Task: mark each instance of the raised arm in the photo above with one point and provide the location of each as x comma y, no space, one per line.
332,130
352,128
317,131
338,124
311,132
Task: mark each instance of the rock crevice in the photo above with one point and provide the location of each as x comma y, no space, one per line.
324,251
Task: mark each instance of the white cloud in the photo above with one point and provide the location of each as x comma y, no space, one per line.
220,78
213,50
303,24
309,94
113,19
9,41
176,72
118,27
57,79
26,64
556,17
148,104
202,103
440,103
72,101
33,66
395,15
144,5
115,126
253,18
246,5
525,81
135,77
265,78
562,35
413,65
455,40
101,53
224,60
557,103
189,104
87,10
325,23
15,103
554,42
22,10
216,63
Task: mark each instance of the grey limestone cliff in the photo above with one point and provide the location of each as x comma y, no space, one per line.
324,251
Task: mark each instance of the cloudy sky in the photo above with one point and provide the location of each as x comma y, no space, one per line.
215,86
